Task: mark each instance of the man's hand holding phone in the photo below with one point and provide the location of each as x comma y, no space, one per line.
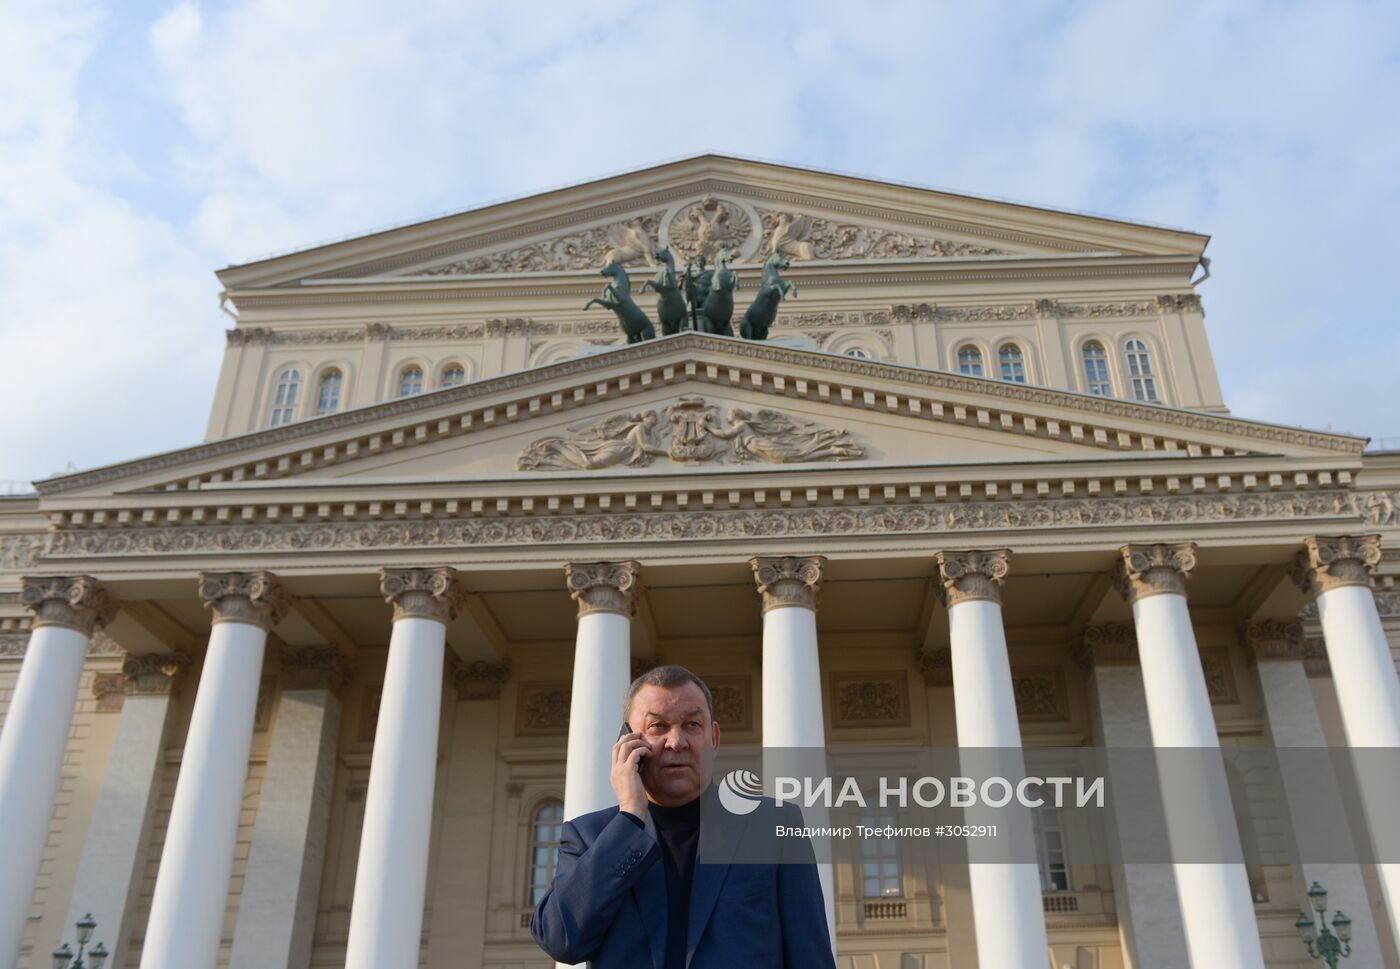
629,754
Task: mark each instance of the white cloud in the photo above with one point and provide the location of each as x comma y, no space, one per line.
261,125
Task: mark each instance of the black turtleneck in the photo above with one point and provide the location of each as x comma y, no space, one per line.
679,831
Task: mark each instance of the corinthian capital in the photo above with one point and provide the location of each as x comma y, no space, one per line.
788,581
1151,570
75,602
422,593
603,586
1332,561
1273,639
970,576
152,673
256,598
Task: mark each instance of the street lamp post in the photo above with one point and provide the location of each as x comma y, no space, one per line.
1324,945
96,958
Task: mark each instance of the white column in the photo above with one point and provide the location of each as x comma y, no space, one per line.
386,917
606,594
792,676
1216,906
1276,647
277,908
187,912
114,851
1337,570
1149,915
1007,912
461,890
35,734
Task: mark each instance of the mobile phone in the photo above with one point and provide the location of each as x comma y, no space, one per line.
626,729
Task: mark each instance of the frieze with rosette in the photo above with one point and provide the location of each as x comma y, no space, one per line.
697,524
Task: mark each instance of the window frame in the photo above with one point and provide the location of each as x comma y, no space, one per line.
326,372
1144,387
967,346
888,885
1043,863
401,378
452,365
288,409
1106,360
1022,362
533,843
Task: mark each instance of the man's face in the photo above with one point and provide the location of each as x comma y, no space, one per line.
675,722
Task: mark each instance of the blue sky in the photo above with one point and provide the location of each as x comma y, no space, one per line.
143,145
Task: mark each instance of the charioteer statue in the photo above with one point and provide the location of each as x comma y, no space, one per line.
699,298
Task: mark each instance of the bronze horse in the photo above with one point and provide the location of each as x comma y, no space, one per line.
670,302
719,304
617,296
771,291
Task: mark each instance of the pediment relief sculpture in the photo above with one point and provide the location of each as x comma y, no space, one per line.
811,237
690,431
709,225
626,242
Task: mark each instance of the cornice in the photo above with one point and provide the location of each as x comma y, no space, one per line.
501,222
717,361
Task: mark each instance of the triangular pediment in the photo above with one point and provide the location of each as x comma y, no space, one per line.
710,406
698,205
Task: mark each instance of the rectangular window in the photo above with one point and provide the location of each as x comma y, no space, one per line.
880,870
1050,849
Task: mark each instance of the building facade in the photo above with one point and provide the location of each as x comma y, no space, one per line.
321,690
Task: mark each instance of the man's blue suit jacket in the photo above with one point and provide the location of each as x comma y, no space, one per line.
607,904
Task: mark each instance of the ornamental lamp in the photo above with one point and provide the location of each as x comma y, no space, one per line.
1318,896
1307,931
96,956
1343,926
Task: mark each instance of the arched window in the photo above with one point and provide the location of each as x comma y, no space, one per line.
1013,363
858,353
1140,376
1050,849
970,361
881,876
284,398
328,392
410,381
545,829
1096,369
452,375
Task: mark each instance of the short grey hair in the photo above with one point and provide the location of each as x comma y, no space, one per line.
667,677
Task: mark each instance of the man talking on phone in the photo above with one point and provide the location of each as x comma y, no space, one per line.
628,892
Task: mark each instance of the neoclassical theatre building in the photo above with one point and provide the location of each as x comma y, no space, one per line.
320,690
